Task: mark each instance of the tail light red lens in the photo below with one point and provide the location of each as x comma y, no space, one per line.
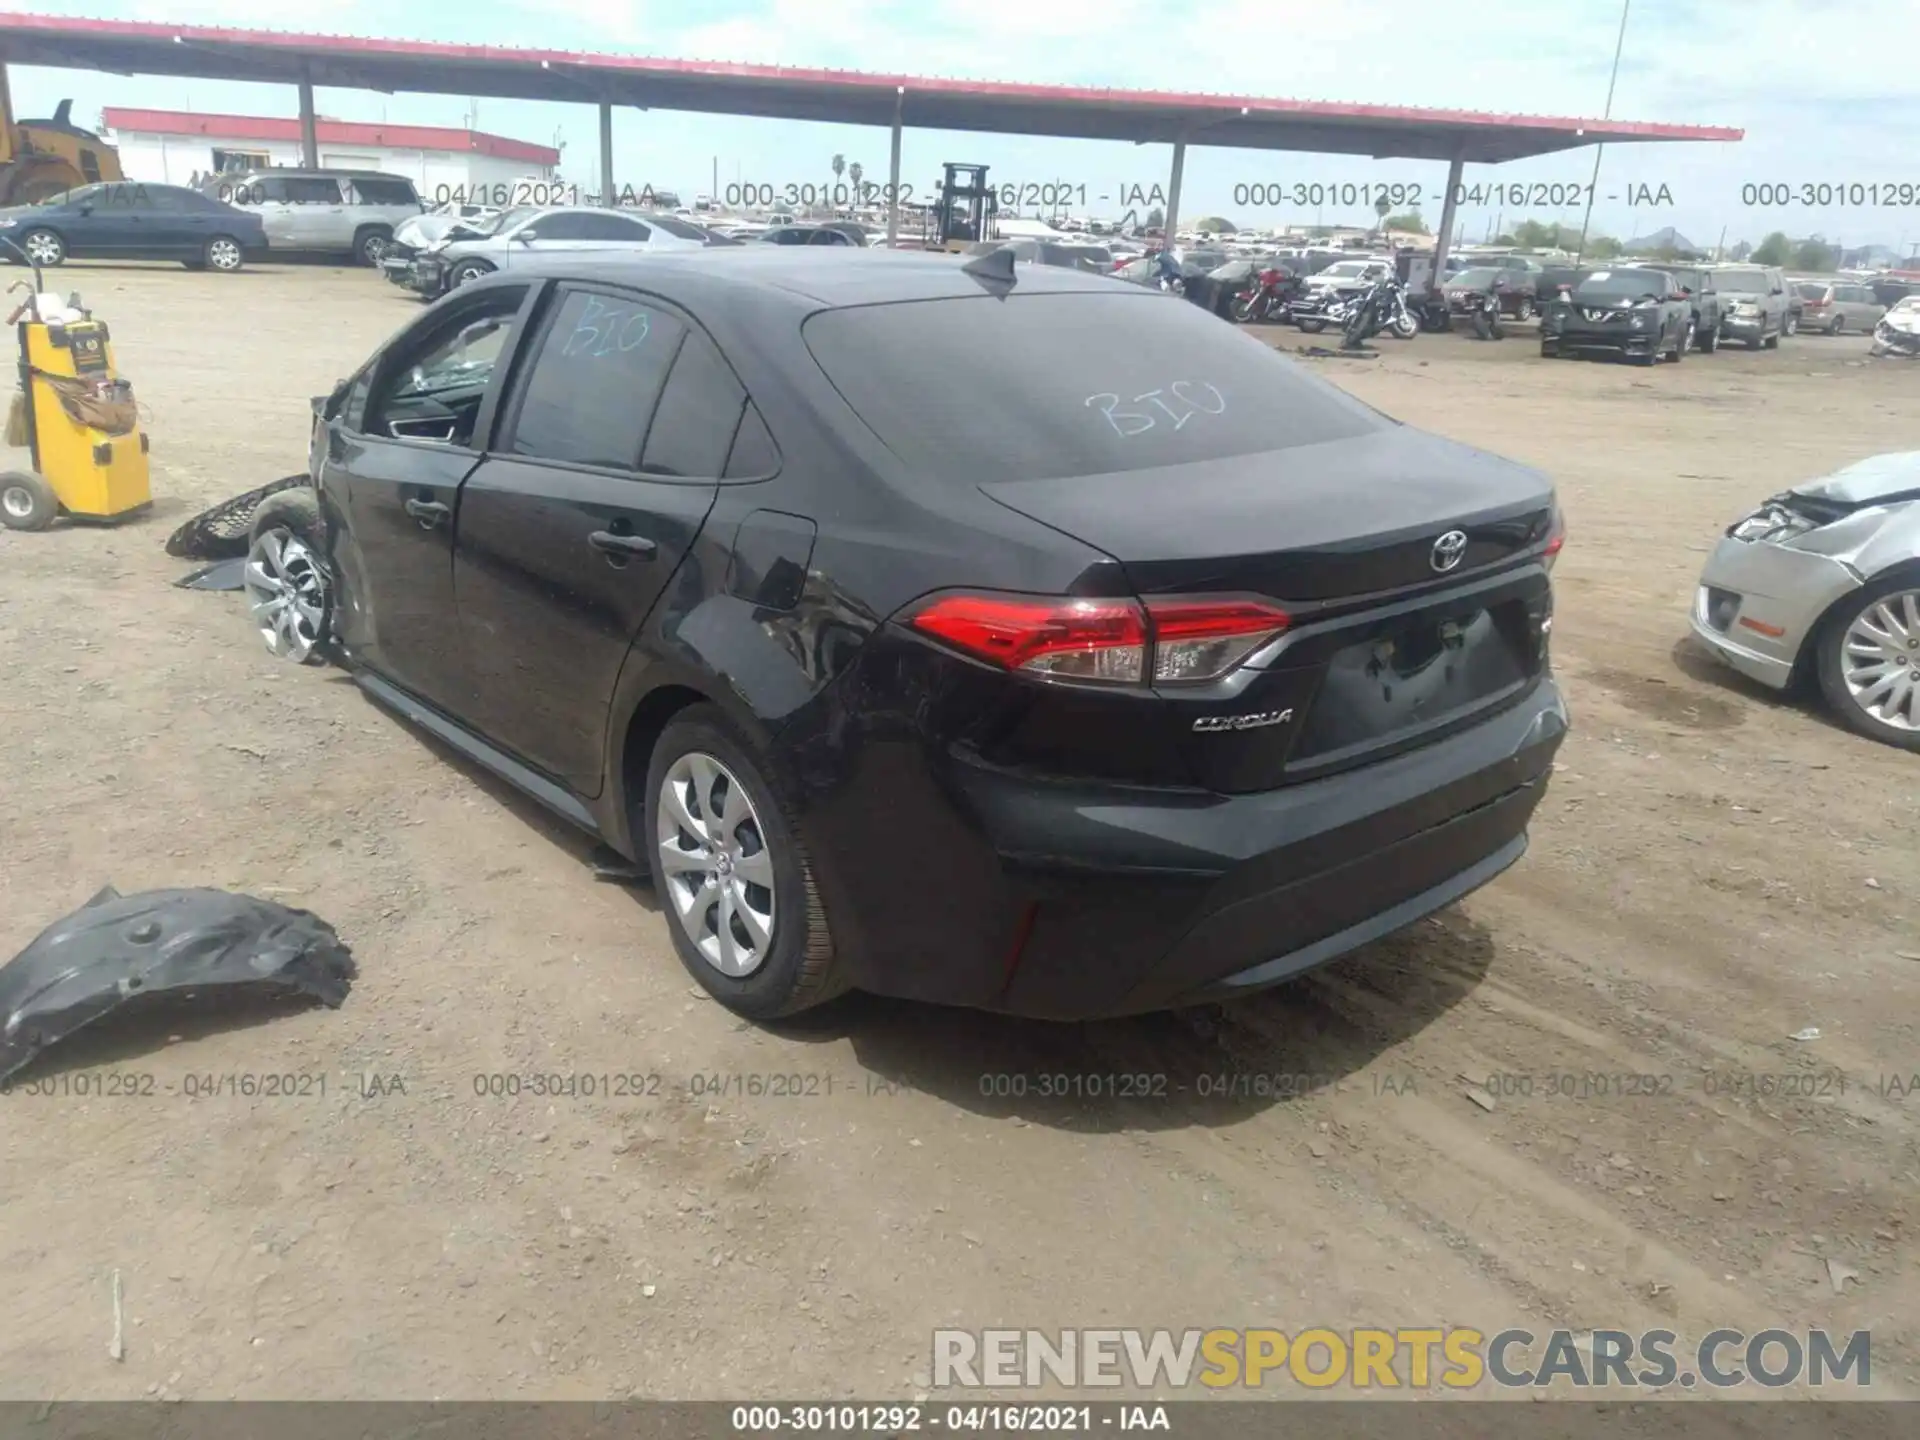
1190,641
1101,640
1556,539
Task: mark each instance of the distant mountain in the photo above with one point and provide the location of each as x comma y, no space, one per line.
1665,238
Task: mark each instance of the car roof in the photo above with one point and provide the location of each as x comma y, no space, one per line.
828,275
283,172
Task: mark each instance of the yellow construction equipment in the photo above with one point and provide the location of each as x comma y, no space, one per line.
76,416
41,158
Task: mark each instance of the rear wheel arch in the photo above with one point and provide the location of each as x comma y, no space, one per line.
637,734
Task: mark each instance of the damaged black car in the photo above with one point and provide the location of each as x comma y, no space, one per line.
989,634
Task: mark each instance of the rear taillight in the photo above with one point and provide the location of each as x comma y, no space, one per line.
1556,539
1111,642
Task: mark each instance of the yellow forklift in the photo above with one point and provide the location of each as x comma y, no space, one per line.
76,417
964,212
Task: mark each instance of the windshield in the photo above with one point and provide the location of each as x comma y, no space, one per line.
1470,278
1070,384
1620,285
75,197
495,224
674,225
1744,282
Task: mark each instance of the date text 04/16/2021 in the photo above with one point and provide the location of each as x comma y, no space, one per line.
1510,194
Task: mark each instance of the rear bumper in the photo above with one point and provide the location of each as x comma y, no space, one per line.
1075,902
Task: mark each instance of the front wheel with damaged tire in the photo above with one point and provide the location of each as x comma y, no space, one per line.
732,872
289,593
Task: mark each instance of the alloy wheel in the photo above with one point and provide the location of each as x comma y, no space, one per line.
45,248
286,594
715,868
1879,655
223,254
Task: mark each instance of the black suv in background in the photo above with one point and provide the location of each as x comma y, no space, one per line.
1633,312
1036,644
1704,296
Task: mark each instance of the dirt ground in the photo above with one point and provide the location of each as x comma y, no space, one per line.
1712,871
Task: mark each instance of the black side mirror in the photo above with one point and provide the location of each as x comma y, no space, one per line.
87,209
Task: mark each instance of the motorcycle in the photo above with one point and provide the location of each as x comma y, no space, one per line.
1482,309
1267,298
1384,307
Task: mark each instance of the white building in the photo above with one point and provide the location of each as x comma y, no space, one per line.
171,147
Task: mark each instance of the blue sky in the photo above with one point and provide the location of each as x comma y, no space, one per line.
1825,93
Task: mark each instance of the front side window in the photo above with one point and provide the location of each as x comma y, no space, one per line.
596,380
432,386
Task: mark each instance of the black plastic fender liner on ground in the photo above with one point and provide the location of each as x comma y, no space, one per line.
222,532
117,949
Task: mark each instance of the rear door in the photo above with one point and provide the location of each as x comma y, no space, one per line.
612,443
317,213
171,221
393,464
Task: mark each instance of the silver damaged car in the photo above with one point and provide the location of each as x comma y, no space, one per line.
1823,583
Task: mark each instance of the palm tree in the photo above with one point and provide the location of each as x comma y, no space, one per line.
839,169
854,172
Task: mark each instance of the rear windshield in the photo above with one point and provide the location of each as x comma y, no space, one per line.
1812,292
975,390
1745,282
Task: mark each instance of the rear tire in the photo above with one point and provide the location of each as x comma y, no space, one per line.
795,968
1549,351
223,253
1683,343
1525,312
370,245
27,502
1312,325
1708,340
1839,324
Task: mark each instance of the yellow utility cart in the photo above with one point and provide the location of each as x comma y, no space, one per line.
78,419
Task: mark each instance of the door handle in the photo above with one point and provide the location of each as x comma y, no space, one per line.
614,544
428,512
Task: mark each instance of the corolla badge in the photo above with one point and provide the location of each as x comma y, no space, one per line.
1253,721
1448,551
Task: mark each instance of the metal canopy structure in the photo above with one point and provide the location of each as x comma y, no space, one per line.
845,97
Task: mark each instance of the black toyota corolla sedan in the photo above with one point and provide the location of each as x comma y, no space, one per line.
1037,644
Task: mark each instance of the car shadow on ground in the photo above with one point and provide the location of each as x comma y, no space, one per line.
1696,662
1210,1065
569,839
116,1043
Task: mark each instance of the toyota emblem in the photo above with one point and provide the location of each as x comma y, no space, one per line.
1449,550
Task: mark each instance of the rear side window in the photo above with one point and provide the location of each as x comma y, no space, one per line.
312,190
754,455
698,412
1813,292
595,381
384,192
1070,384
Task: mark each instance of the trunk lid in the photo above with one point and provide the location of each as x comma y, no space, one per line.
1315,525
1386,649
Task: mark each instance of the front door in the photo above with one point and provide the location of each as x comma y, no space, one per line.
395,467
609,458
